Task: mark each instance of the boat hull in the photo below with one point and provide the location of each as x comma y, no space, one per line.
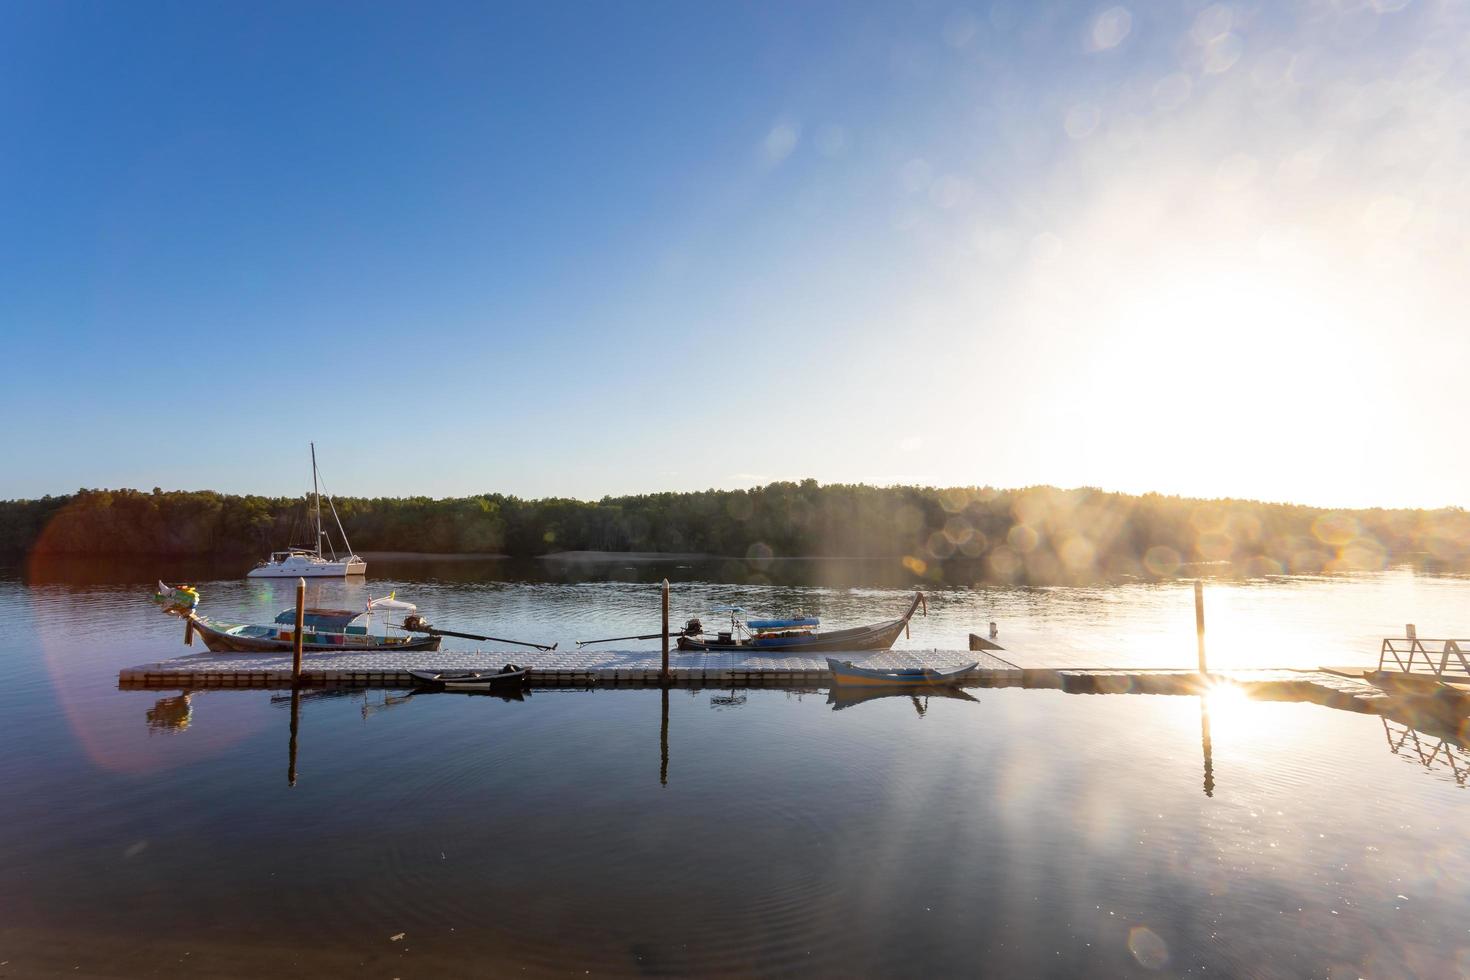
218,638
879,636
470,680
850,676
326,569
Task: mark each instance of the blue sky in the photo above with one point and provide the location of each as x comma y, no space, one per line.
580,249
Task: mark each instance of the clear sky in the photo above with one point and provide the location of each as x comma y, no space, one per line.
594,248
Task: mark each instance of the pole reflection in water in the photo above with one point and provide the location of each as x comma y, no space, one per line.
1204,737
663,741
295,725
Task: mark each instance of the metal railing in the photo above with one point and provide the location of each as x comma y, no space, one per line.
1448,657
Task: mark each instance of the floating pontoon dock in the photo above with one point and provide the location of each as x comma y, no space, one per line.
1338,688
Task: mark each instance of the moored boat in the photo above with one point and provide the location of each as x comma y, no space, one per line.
798,634
334,630
511,675
844,672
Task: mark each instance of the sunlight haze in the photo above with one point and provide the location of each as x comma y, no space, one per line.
1201,249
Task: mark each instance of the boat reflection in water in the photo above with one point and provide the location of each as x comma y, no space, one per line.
172,714
846,697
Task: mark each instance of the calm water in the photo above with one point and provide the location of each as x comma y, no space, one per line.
616,832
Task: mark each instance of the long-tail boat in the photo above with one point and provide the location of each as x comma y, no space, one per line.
798,634
335,630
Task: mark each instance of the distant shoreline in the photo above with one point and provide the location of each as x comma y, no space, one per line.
430,556
634,556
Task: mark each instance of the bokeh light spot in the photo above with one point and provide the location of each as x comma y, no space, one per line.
1147,948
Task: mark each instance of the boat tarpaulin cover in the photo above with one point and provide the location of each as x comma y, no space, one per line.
783,624
323,620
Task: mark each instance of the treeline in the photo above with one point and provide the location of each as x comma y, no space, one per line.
1036,533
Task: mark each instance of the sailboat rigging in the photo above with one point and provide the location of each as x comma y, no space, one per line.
313,562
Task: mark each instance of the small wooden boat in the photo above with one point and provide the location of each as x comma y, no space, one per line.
473,680
843,672
797,635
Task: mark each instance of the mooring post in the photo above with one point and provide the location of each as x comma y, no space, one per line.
296,638
666,632
1199,622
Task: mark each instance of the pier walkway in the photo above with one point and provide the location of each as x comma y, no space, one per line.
580,667
593,668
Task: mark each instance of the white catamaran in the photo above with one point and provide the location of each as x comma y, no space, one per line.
312,562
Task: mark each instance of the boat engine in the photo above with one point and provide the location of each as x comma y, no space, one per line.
415,623
693,628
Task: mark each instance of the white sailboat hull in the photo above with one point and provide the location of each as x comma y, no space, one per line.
310,562
296,567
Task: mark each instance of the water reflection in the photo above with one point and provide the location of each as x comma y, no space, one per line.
295,730
1205,747
1437,745
171,714
845,697
1442,751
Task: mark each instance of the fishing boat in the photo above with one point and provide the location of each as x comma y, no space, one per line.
797,634
472,680
313,562
843,672
333,630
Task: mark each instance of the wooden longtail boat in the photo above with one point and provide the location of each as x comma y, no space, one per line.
843,672
332,630
279,638
797,636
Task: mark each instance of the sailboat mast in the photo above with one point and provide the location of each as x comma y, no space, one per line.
317,496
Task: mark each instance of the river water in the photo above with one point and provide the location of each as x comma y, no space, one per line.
629,832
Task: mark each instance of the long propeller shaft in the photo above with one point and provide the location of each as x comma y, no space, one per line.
615,639
436,631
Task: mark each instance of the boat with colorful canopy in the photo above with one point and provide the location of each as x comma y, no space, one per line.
377,627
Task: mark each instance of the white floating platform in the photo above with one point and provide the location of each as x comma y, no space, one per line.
555,667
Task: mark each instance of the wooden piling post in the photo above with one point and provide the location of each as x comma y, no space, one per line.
1199,622
300,624
666,632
